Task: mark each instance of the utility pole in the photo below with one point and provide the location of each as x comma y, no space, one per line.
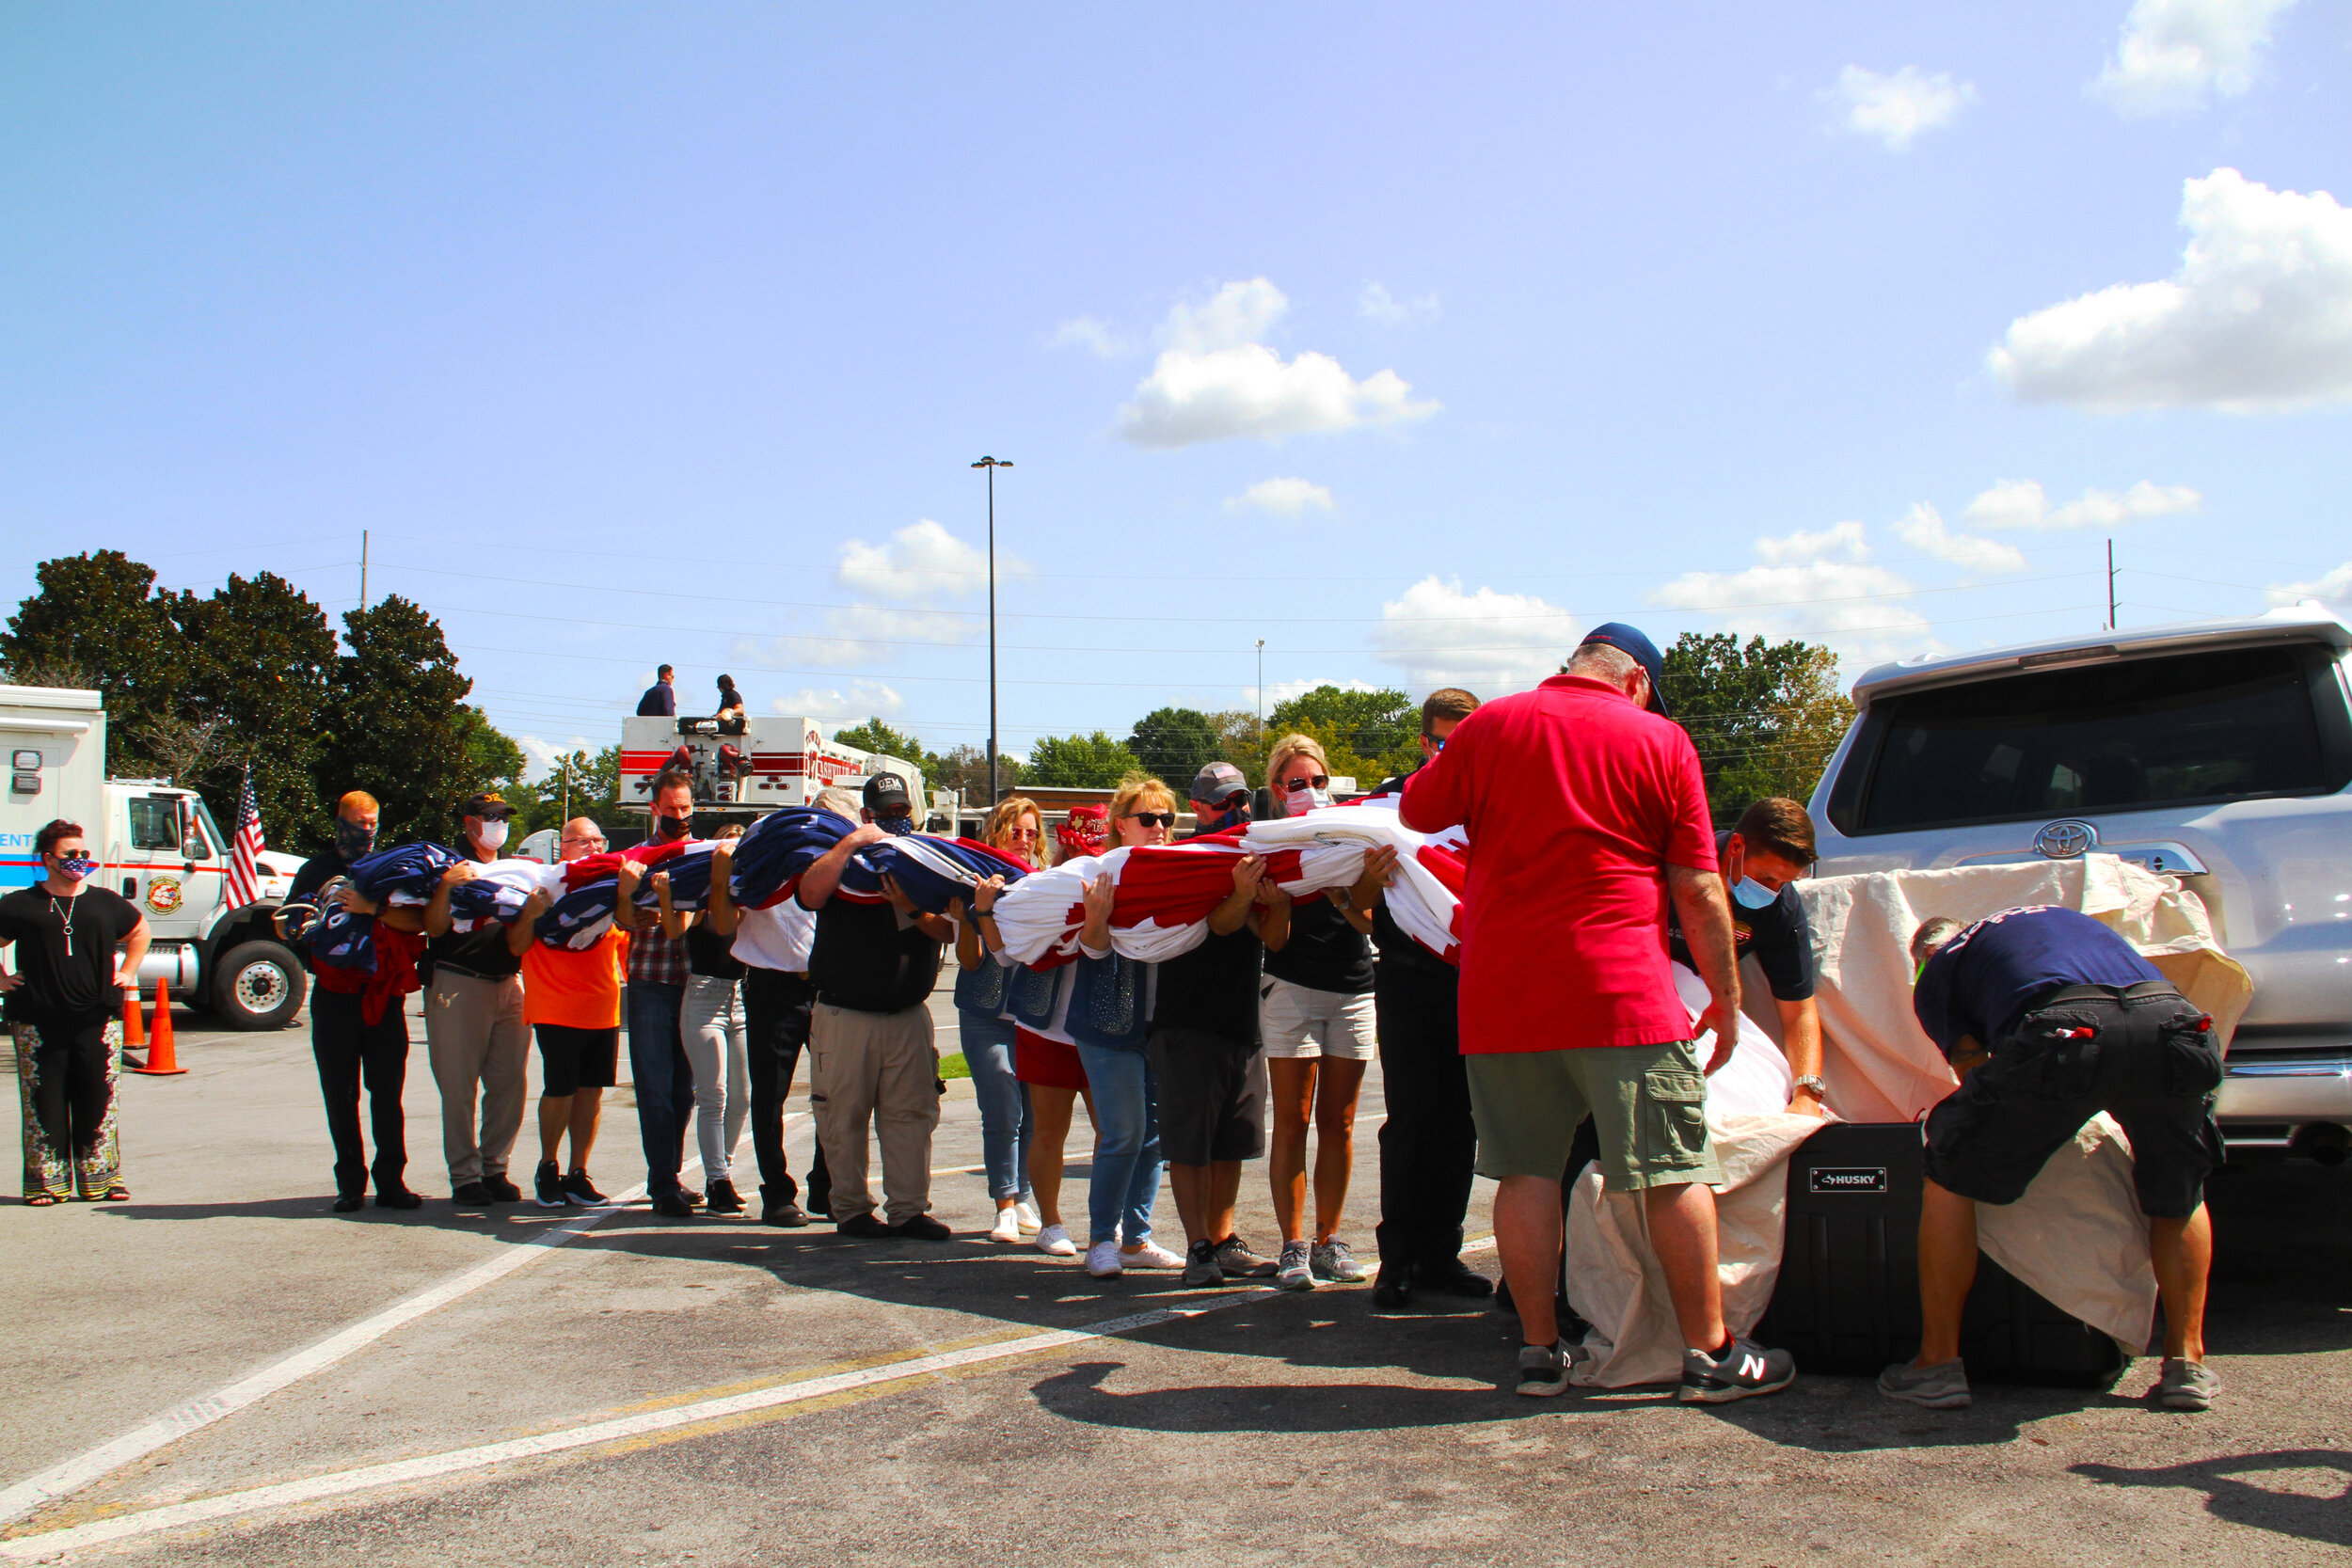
1262,694
363,569
992,464
2110,585
565,764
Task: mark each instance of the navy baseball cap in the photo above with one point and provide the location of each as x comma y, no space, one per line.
1629,640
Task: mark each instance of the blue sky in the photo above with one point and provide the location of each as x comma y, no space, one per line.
1412,340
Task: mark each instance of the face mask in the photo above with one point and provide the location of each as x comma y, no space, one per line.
1305,798
672,829
1748,893
492,836
895,826
352,841
74,867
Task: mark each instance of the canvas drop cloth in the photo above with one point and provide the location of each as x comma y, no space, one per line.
2077,1235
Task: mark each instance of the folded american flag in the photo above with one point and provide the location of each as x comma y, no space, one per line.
934,872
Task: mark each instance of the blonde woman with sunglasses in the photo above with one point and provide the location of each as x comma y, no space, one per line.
984,1025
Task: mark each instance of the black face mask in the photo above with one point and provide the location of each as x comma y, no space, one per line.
671,828
352,841
896,825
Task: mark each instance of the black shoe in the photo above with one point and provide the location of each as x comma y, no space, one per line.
578,1189
501,1190
816,1200
1745,1370
670,1206
922,1227
788,1214
546,1184
723,1198
693,1200
347,1202
473,1195
1452,1277
1392,1292
398,1197
866,1227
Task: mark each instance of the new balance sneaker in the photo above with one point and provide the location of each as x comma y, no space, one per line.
1054,1241
579,1190
1544,1370
1743,1370
1333,1260
1006,1230
1103,1260
1236,1261
1200,1266
1148,1254
1296,1271
546,1185
2186,1385
1941,1386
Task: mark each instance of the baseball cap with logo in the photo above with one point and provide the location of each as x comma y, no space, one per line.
487,807
1218,782
1629,640
887,790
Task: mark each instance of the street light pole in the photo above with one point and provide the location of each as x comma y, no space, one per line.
992,464
1260,693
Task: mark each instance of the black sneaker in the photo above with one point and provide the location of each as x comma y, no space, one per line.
501,1190
1743,1371
546,1184
867,1227
1452,1277
922,1227
473,1195
346,1202
671,1205
1200,1266
1392,1292
398,1197
578,1189
723,1198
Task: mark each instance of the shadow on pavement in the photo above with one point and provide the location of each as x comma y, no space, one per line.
2304,1516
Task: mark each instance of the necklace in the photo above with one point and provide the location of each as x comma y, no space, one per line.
65,919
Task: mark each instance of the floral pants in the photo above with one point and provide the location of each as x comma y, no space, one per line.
66,1077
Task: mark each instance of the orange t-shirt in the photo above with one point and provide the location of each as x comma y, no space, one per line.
576,990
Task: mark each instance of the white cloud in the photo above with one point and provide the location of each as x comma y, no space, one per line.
2258,317
919,567
1850,605
1215,380
862,700
1844,539
1376,304
1489,641
2333,587
1093,335
1283,691
540,756
2172,52
1896,109
1923,530
1284,498
2021,503
922,561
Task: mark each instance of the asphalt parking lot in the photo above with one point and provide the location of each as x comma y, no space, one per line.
716,1392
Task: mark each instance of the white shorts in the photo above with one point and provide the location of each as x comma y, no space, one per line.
1299,1021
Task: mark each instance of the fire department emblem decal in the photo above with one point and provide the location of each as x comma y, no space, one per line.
163,894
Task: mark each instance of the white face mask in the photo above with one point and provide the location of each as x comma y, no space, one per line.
492,836
1301,798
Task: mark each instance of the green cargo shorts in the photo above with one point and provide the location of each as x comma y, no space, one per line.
1648,1105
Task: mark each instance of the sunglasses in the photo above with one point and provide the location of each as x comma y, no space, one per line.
1021,832
1437,742
1321,781
1153,818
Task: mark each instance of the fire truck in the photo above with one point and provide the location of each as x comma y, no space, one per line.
769,762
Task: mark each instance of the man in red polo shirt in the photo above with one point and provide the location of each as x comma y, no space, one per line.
1585,815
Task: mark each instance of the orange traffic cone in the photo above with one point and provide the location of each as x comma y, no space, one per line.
133,1026
162,1061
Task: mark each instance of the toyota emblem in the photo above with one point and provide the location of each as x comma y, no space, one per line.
2063,840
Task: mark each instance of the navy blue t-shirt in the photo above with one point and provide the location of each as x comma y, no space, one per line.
1982,982
1780,935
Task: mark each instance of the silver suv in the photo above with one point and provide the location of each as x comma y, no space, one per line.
2218,752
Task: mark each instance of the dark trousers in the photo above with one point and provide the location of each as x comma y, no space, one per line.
66,1075
1429,1143
349,1052
664,1081
776,1008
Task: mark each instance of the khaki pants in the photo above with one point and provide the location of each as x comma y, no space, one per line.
879,1068
475,1034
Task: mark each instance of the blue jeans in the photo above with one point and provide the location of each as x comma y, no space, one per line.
1127,1162
1003,1104
663,1080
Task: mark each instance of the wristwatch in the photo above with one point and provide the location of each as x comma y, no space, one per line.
1813,1081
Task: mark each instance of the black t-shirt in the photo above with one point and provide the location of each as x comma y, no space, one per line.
709,953
870,958
1323,952
62,987
1780,935
1214,987
315,874
1399,953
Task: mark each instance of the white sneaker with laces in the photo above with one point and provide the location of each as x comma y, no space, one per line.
1008,1227
1102,1260
1054,1241
1030,1222
1151,1255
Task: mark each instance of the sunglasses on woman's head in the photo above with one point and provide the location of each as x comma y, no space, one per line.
1321,781
1153,818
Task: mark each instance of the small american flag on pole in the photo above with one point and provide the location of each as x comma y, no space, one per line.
242,883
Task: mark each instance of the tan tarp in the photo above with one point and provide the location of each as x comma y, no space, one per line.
2077,1237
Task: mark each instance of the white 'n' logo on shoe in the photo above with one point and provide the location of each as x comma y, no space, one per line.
1751,1365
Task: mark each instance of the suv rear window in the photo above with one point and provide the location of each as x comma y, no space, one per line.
2128,736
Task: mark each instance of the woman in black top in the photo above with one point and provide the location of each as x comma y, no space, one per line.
64,1000
712,1023
731,716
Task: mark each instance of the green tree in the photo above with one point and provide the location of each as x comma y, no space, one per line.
966,767
1366,734
398,727
1175,743
95,621
1080,762
875,736
580,785
257,655
1765,716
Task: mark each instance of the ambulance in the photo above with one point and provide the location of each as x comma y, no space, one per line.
771,762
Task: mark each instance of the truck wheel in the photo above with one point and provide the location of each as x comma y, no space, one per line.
257,984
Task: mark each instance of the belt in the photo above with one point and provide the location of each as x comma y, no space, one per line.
2108,993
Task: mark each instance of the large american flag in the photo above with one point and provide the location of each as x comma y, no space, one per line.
244,883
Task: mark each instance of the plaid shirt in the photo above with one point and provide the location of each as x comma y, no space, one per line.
654,959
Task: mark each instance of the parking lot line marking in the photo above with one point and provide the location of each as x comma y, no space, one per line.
168,1427
28,1548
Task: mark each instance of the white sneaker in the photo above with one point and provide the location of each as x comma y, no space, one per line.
1102,1260
1151,1255
1007,1230
1295,1272
1027,1211
1054,1241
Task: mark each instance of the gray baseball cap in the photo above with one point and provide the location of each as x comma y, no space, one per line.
1218,782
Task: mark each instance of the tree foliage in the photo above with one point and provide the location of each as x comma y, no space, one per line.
1080,762
875,736
1366,735
1765,716
1175,743
400,727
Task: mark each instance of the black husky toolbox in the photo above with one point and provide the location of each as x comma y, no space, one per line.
1847,1296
